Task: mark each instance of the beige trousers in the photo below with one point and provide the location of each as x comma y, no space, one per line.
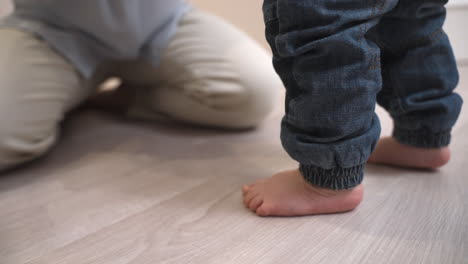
211,74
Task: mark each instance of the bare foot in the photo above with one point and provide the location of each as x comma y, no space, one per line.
391,152
288,194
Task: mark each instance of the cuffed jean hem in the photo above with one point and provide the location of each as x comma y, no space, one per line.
336,178
422,138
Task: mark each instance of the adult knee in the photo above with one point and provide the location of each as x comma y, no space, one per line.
18,144
37,86
215,75
261,84
22,135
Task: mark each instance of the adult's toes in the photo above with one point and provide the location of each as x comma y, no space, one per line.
255,202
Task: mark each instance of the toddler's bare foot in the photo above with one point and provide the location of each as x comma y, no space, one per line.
391,152
288,194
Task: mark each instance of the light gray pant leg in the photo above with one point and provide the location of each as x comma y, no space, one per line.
211,74
37,87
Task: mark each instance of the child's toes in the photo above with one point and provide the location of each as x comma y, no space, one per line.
245,188
256,202
263,210
249,196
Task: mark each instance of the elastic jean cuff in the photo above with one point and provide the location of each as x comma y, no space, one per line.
422,138
336,178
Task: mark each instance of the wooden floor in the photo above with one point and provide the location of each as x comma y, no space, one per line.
116,192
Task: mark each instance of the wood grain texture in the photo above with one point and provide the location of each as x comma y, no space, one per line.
116,191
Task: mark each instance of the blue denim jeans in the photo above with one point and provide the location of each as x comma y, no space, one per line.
337,58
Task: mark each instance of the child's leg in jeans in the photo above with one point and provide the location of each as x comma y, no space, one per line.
332,75
419,75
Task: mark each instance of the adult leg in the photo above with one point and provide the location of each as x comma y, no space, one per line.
37,87
211,74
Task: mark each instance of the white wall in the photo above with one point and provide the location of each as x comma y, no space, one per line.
457,28
247,15
5,7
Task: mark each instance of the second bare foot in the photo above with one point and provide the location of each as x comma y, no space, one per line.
390,152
